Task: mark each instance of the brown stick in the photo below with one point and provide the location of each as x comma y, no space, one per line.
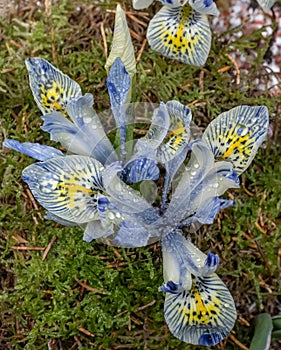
48,248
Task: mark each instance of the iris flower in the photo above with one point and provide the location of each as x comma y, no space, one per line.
98,187
180,30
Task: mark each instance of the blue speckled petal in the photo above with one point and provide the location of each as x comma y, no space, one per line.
236,135
50,216
67,187
203,315
34,150
180,33
52,89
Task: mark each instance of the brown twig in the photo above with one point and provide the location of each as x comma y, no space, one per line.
136,20
44,256
147,305
224,69
141,50
235,67
27,248
91,289
201,80
237,342
19,238
104,40
85,331
130,12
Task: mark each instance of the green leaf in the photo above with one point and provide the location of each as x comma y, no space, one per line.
262,335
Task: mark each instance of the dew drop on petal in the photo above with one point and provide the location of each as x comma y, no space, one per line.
111,216
87,120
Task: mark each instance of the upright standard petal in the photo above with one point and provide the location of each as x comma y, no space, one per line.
118,83
122,45
201,180
266,4
178,134
159,127
206,7
34,150
180,33
52,89
68,187
237,134
90,131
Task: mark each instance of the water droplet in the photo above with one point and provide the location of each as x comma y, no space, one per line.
87,120
118,187
196,165
118,215
242,130
215,185
79,166
193,173
111,216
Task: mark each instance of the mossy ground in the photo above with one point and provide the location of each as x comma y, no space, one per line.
92,296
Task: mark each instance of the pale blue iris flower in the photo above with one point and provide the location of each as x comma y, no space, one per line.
90,186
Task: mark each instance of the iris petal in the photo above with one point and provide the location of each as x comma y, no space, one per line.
207,7
174,3
208,210
180,255
140,169
131,234
202,179
141,4
203,315
178,135
34,150
52,89
122,45
95,230
236,135
180,33
266,4
90,132
159,127
118,83
67,187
